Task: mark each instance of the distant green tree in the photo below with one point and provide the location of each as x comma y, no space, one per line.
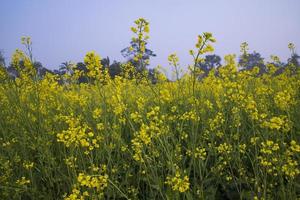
66,67
41,70
2,59
105,62
115,69
3,70
210,62
81,67
247,61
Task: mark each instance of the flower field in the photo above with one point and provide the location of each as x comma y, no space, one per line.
234,134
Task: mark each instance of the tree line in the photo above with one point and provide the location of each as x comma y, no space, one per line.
246,61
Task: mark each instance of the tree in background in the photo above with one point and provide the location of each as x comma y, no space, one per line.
247,61
115,69
105,62
2,59
3,70
41,70
22,60
81,67
66,67
210,62
81,70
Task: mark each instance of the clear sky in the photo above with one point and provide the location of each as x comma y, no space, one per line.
64,30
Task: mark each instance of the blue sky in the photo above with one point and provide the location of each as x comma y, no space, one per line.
64,30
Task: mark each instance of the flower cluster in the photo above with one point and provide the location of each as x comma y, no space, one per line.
93,64
78,135
178,182
141,30
86,184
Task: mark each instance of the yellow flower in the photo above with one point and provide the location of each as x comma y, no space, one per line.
200,153
23,181
178,183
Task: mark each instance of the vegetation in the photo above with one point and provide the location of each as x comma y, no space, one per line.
221,131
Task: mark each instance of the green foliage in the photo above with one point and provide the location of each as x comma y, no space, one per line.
232,135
